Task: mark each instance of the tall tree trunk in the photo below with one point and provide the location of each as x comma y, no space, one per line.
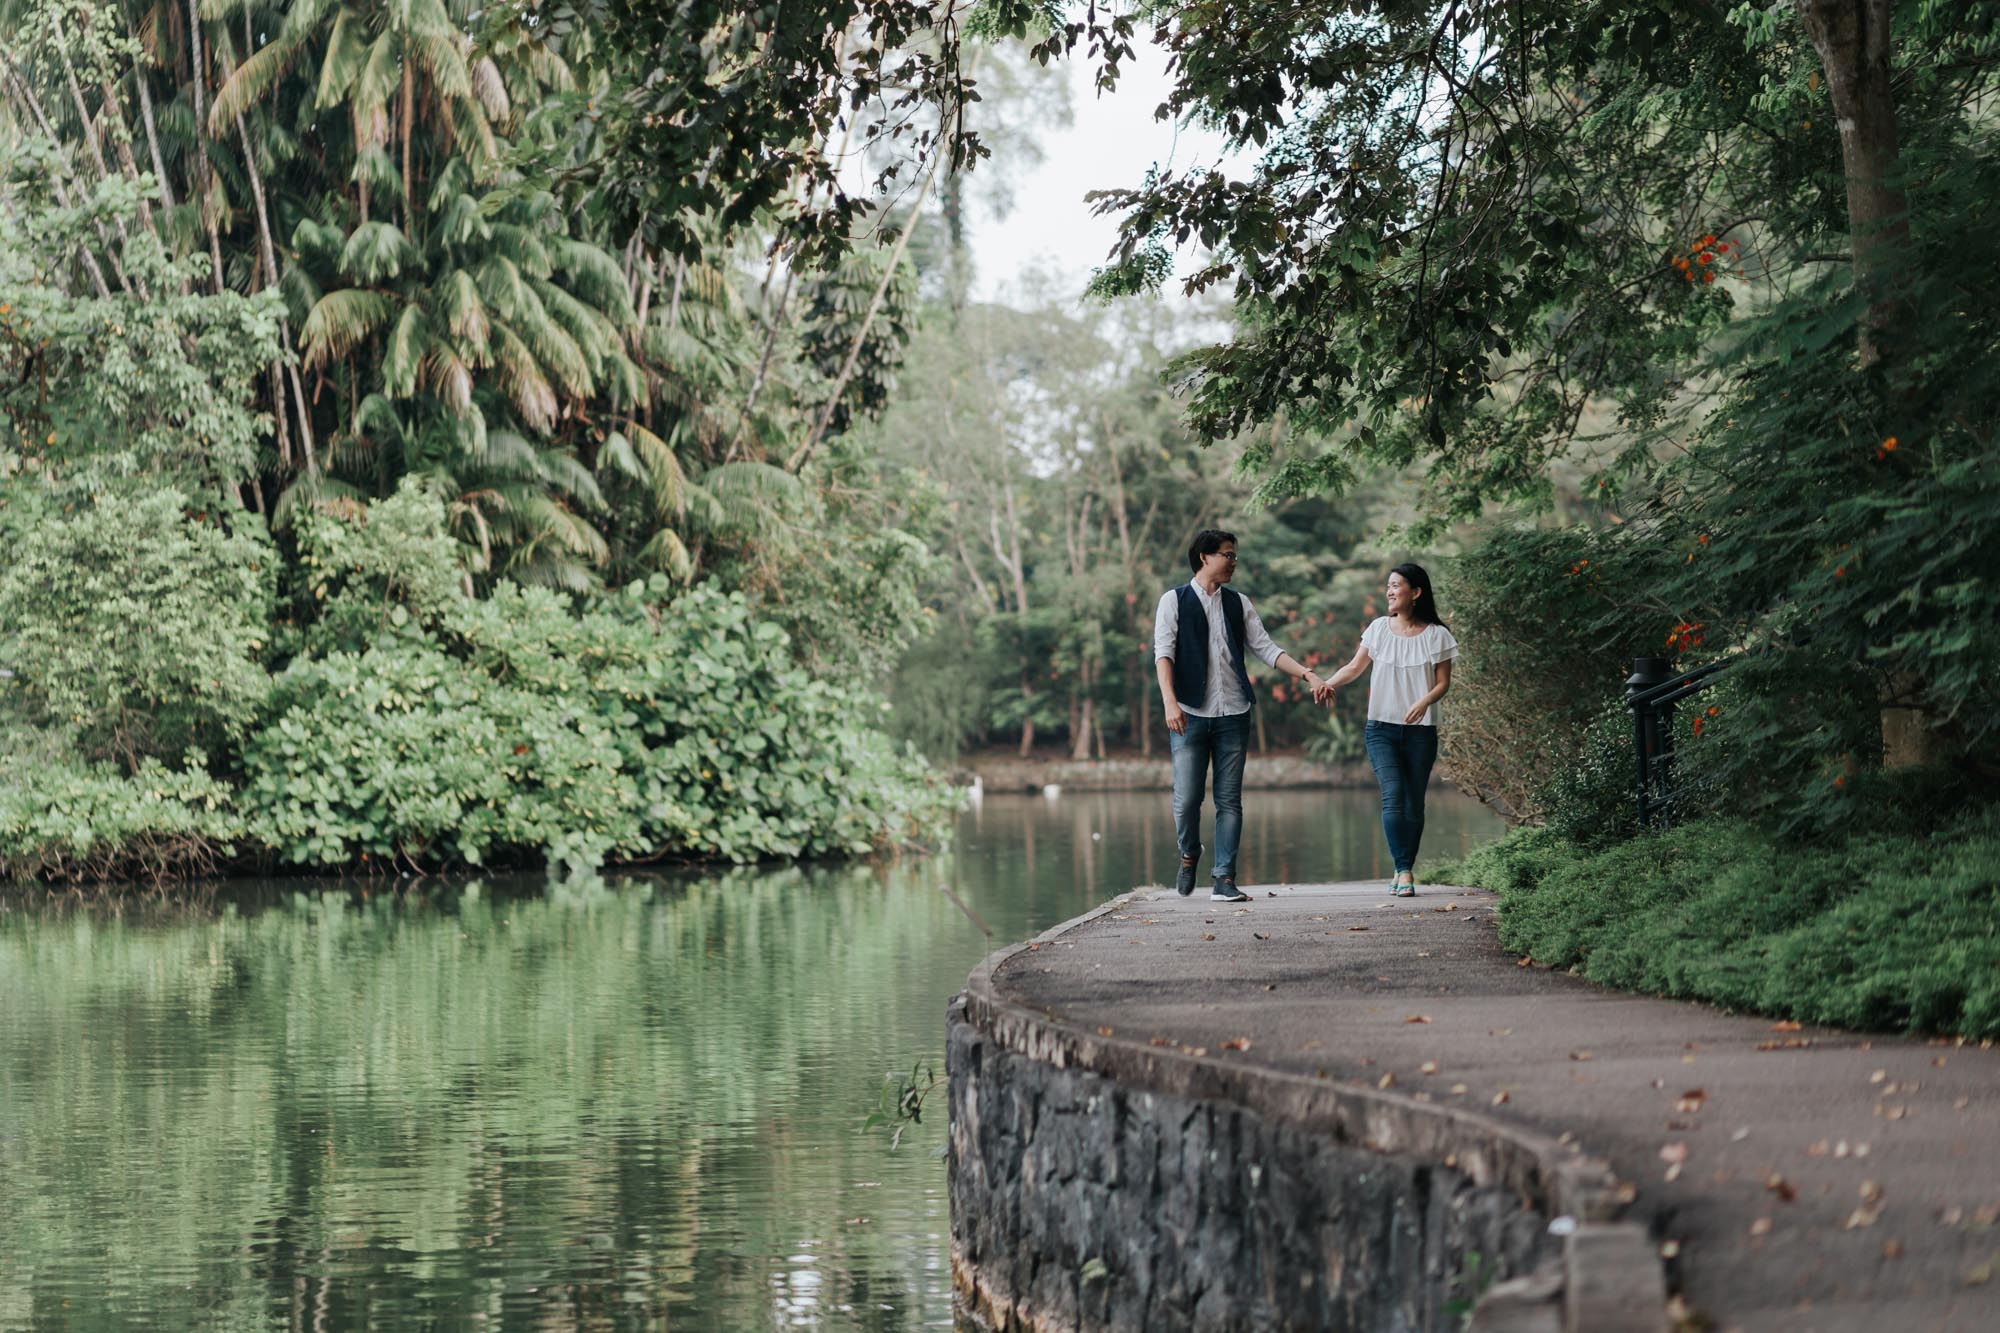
409,112
143,81
205,203
269,253
1852,38
805,451
1027,717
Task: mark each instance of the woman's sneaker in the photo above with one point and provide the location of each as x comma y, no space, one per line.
1225,891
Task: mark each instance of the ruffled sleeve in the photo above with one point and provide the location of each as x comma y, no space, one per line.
1371,638
1446,648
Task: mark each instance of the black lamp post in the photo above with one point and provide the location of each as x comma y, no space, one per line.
1652,732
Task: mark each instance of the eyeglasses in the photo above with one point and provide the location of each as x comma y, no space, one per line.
1230,556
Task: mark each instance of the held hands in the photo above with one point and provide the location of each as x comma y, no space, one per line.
1323,692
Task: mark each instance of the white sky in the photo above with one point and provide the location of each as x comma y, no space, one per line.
1109,145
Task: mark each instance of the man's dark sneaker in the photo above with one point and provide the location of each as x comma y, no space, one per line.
1184,884
1226,892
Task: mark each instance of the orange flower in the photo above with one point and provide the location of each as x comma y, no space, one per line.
1708,239
1889,445
1705,258
1703,539
1840,571
1708,277
1840,782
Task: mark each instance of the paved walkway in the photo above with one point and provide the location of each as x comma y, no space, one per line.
1798,1179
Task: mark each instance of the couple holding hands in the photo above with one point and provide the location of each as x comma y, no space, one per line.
1201,631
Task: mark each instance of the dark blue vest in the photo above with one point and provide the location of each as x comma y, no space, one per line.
1191,645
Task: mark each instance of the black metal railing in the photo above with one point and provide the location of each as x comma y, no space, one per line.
1652,692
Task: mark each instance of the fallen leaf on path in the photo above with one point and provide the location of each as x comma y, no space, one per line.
1691,1100
1104,1032
1788,1044
1788,1025
1892,1248
1258,935
1163,1041
1863,1216
1418,1018
1741,1134
1208,937
1386,1081
1236,1044
1526,961
1428,1067
1951,1216
1502,1097
1459,1090
1197,1051
1674,1152
1761,1227
1672,1173
1870,1191
1784,1189
1878,1076
1820,1149
1357,927
1981,1275
1499,1032
1581,1055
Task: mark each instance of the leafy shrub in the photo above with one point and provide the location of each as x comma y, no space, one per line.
1875,929
519,726
68,820
137,623
1550,620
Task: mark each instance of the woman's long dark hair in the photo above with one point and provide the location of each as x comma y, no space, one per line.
1425,608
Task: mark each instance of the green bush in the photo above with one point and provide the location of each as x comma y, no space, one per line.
138,624
1876,929
1551,619
68,820
518,726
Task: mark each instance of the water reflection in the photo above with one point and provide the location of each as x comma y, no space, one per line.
622,1104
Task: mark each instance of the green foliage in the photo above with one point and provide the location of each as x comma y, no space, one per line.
138,625
1871,928
1554,618
153,381
62,819
440,728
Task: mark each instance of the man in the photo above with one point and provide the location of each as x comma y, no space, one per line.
1199,633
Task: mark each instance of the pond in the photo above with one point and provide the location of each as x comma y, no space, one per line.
628,1103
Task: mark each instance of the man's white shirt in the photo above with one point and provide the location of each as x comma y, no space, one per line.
1225,692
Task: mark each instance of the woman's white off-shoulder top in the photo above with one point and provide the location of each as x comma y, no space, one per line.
1404,669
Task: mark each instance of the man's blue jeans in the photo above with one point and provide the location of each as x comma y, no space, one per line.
1402,757
1223,742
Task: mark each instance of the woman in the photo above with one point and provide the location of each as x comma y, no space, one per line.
1412,652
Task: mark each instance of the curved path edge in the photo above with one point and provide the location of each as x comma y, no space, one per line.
1608,1275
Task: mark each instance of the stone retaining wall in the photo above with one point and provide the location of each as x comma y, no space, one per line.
1096,1182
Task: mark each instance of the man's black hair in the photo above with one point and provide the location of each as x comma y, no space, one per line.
1206,542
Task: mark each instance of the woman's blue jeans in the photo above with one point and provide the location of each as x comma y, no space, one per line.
1402,757
1223,742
